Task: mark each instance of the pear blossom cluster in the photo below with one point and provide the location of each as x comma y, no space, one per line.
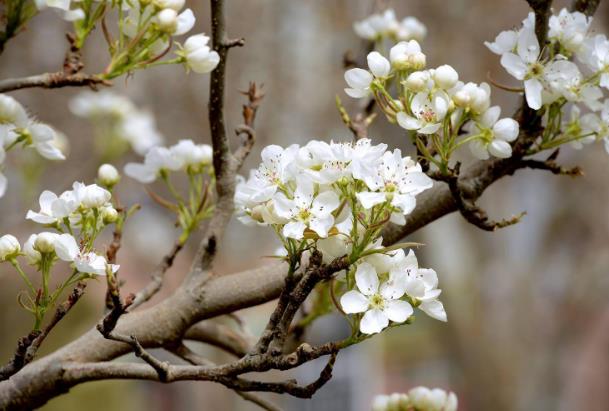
116,119
73,220
380,26
433,104
195,160
336,197
159,161
568,77
18,127
147,31
417,399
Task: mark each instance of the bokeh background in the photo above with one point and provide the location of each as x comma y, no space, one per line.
528,306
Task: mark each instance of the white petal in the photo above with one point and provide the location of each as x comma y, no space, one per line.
528,45
140,172
405,202
66,247
478,149
500,148
321,225
374,321
186,21
398,311
294,229
379,65
353,302
366,279
434,309
3,184
358,78
430,128
407,122
49,151
369,200
39,218
356,92
514,65
532,91
506,129
325,203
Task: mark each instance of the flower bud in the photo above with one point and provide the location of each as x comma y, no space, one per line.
445,77
45,242
109,215
176,5
461,99
417,81
9,247
168,20
93,196
108,175
32,255
418,61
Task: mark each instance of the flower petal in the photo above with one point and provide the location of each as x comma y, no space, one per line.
354,302
366,279
374,321
398,311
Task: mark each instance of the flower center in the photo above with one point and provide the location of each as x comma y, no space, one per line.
427,114
377,301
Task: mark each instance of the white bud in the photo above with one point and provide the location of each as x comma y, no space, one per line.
418,61
445,77
462,98
176,5
31,254
108,175
168,20
417,81
109,215
93,196
9,247
45,242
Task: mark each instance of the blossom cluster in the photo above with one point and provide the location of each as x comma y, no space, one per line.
336,198
146,32
385,25
74,219
193,159
417,399
433,104
570,73
18,127
117,120
159,161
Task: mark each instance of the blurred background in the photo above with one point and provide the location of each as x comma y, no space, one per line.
528,306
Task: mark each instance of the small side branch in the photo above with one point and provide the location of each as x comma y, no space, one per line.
53,80
468,208
28,346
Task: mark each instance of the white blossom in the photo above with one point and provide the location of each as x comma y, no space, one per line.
428,111
396,179
199,57
436,399
569,29
307,210
67,249
407,55
525,66
157,160
380,303
495,134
